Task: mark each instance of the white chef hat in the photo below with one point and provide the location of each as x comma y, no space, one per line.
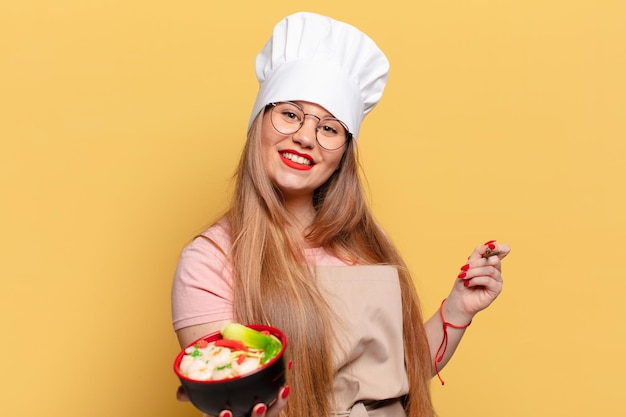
321,60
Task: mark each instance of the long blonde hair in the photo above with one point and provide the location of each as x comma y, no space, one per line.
272,284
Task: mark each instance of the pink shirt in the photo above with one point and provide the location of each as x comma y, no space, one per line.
202,291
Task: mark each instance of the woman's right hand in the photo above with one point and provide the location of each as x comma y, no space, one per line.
259,410
186,335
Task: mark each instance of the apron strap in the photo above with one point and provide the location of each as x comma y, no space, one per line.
361,410
357,410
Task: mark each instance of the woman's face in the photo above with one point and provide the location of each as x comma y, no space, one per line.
296,163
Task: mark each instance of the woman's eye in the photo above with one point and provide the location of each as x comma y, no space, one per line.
329,130
291,116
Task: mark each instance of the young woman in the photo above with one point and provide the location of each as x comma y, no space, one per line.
300,250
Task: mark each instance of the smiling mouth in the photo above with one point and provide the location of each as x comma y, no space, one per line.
296,158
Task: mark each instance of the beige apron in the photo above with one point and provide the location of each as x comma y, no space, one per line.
370,375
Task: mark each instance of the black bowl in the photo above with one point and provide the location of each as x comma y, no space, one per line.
238,394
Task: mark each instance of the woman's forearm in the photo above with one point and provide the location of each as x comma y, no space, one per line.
438,340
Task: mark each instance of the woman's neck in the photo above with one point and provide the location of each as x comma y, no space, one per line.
302,212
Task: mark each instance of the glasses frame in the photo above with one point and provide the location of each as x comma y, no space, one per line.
273,106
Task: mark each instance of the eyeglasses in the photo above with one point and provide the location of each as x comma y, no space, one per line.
288,117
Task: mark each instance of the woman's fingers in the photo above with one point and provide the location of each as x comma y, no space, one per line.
489,249
484,271
280,403
482,266
480,279
487,282
261,410
502,250
282,397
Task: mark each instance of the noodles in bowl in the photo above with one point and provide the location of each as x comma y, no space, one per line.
233,369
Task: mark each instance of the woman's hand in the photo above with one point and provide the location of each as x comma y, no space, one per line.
479,282
259,410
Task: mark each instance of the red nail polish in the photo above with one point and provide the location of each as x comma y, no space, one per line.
467,283
289,365
465,267
462,275
487,243
285,392
261,409
491,246
227,414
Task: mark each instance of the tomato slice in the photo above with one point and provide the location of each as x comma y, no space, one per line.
231,344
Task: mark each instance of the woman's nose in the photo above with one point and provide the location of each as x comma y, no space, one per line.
306,135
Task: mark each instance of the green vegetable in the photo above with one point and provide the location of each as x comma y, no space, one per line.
221,368
253,339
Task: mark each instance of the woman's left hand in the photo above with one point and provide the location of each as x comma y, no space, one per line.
479,281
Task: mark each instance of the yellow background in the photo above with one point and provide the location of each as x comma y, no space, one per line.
121,123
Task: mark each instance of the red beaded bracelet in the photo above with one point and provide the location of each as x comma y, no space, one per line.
444,342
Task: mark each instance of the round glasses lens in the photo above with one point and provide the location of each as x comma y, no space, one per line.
287,118
331,133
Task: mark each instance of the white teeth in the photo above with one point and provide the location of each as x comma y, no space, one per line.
295,158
